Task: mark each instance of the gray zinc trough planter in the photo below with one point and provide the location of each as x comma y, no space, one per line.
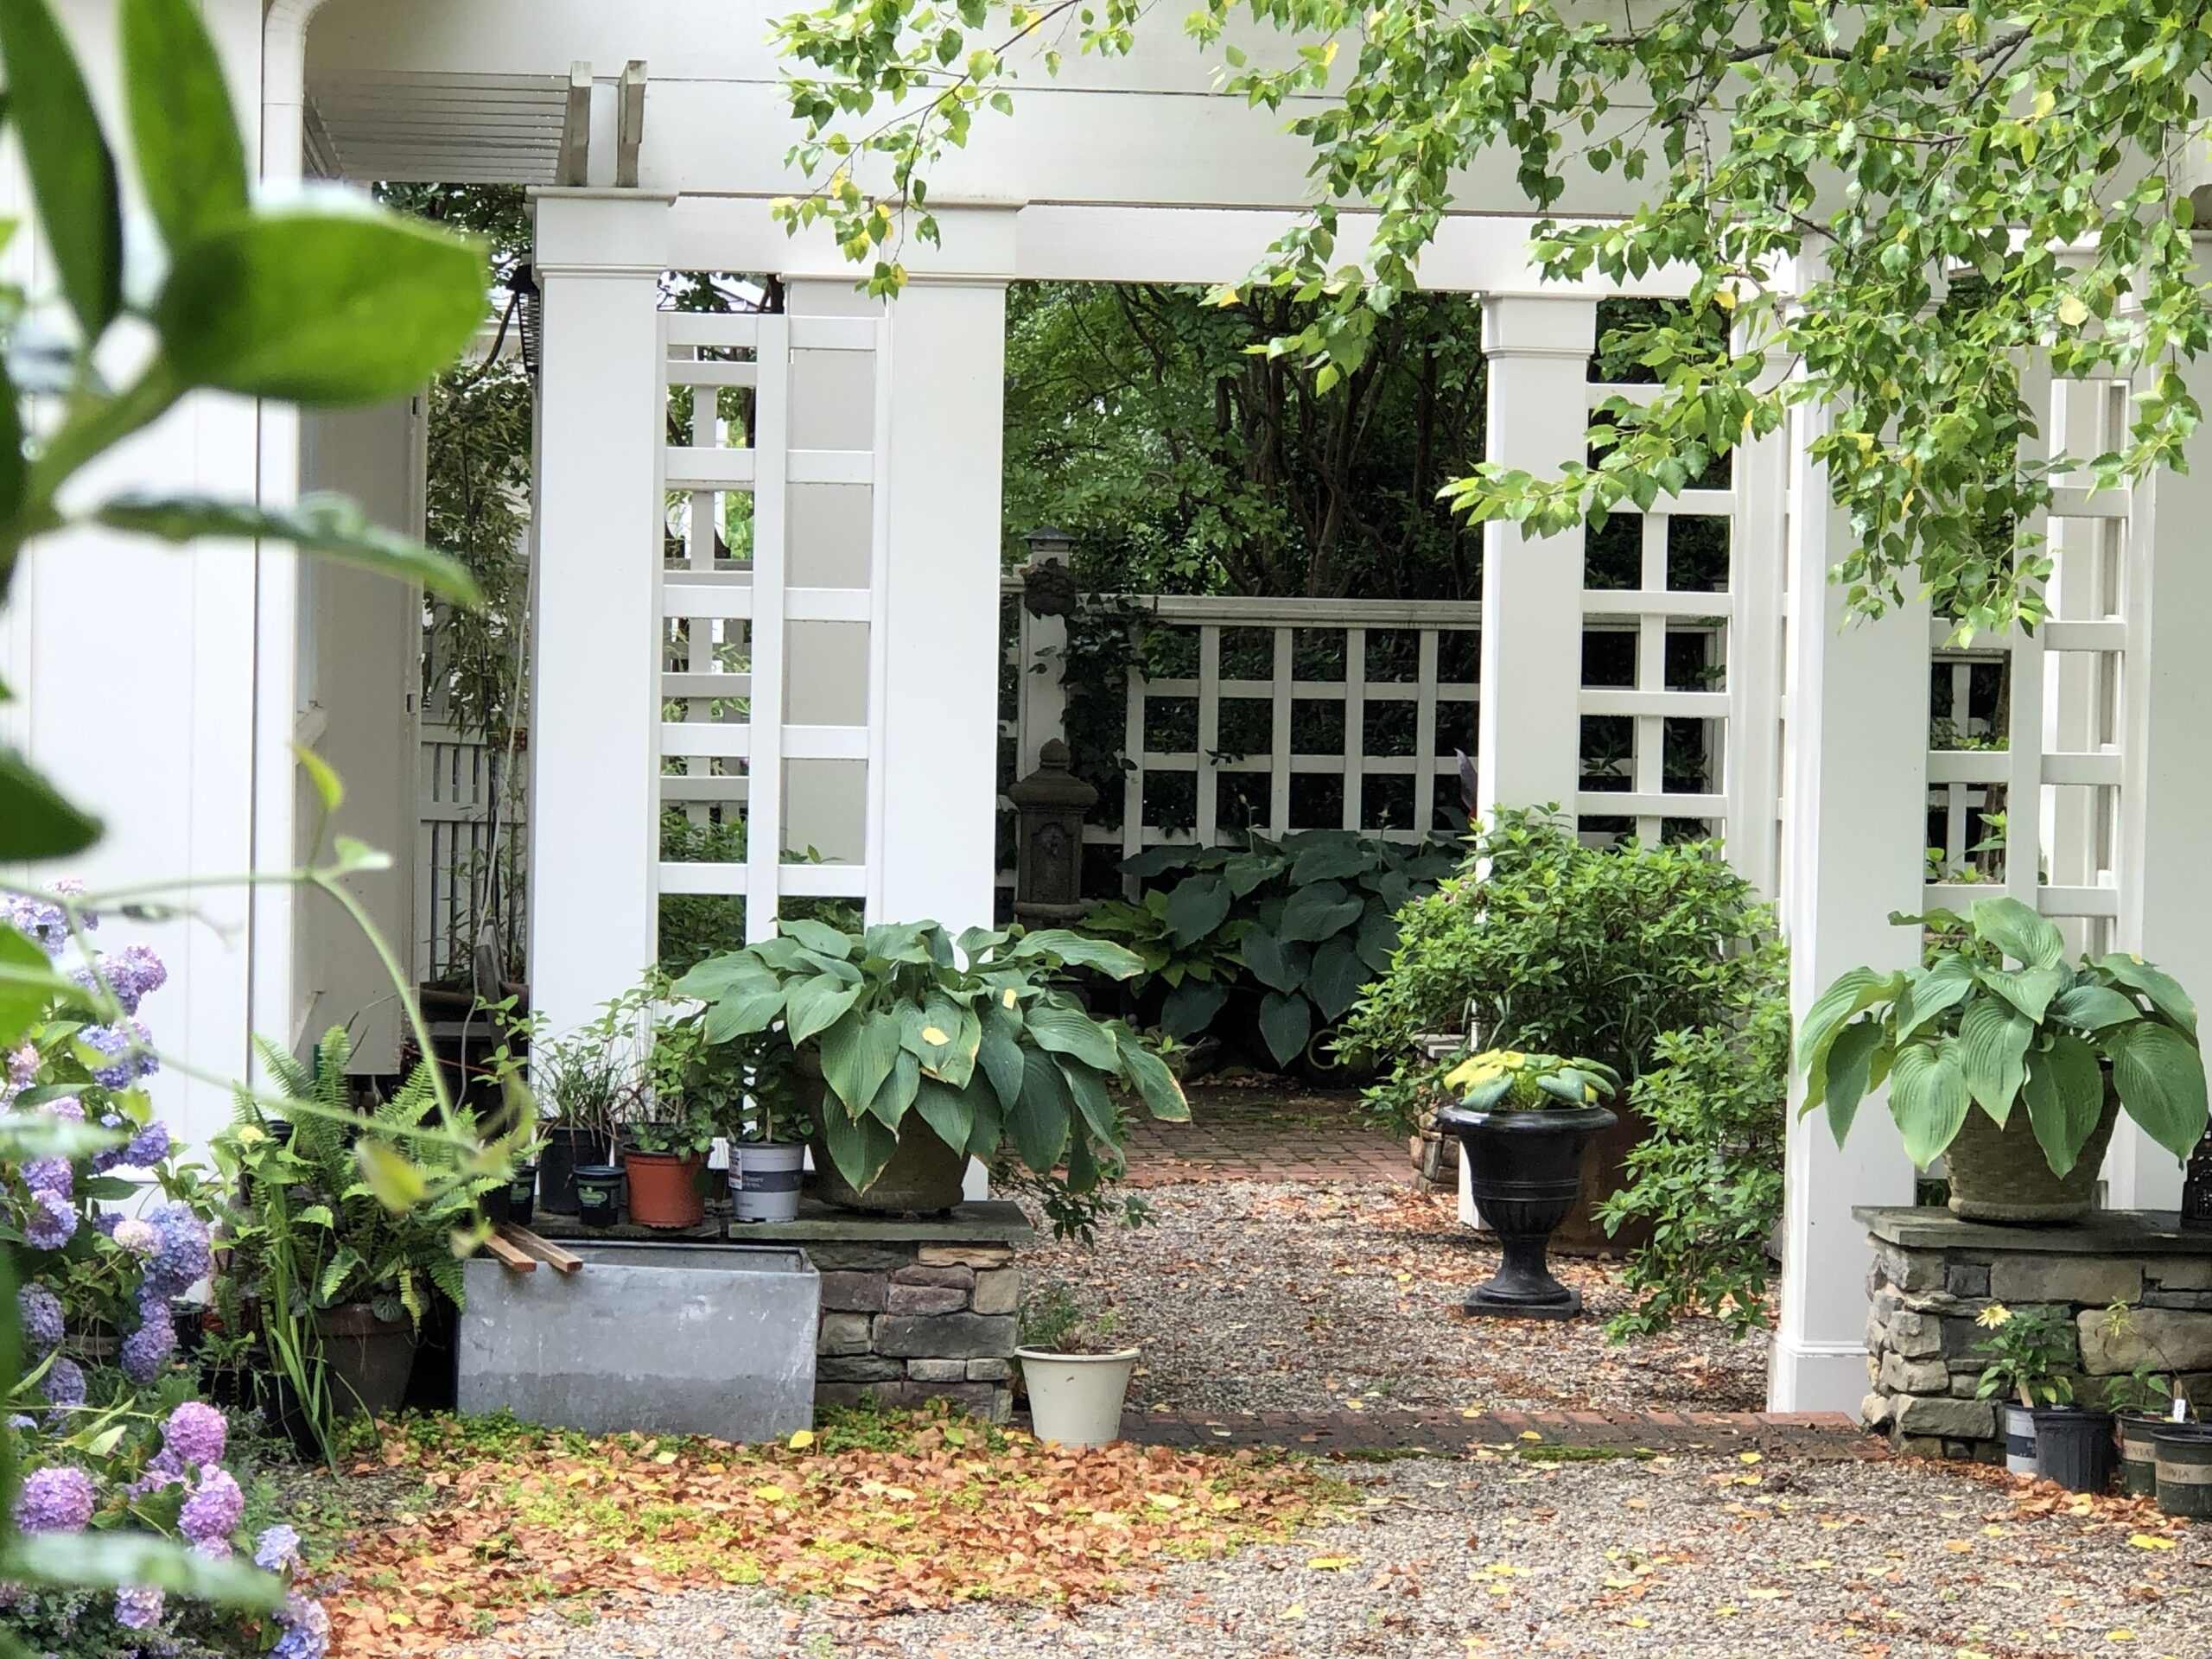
663,1338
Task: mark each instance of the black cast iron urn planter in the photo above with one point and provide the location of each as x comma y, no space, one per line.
1525,1171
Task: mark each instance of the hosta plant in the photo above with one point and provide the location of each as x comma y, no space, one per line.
975,1038
1507,1080
1995,1020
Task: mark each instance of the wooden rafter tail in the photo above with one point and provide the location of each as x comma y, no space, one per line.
541,1250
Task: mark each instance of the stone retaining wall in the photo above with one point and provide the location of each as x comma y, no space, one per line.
903,1323
1933,1274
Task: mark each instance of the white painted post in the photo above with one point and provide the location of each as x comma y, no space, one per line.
1529,724
937,750
1757,539
2165,900
594,706
1041,696
1855,762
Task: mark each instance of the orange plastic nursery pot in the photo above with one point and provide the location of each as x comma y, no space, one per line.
666,1190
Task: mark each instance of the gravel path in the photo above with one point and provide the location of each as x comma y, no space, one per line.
1251,1296
1678,1559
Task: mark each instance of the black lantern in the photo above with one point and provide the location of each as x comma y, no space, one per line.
530,313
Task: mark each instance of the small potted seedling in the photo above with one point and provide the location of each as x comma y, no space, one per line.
1075,1368
2139,1400
2064,1442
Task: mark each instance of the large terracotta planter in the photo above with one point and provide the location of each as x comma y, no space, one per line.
2002,1175
666,1190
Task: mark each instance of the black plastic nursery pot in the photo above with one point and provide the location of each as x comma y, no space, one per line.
2075,1447
2184,1456
565,1148
2138,1453
599,1194
1524,1169
521,1195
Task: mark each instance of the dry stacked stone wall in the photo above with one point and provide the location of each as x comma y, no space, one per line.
1933,1276
905,1322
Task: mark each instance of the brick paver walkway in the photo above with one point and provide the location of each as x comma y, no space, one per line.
1276,1132
1820,1435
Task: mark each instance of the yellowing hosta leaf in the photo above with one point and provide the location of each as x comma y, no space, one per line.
1331,1563
931,1034
771,1493
2148,1541
800,1441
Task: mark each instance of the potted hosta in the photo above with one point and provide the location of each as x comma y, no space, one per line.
1075,1368
1524,1122
912,1053
2046,1434
2008,1063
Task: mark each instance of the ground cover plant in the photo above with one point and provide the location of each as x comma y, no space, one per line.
879,1513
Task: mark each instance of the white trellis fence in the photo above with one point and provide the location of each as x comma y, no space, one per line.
469,836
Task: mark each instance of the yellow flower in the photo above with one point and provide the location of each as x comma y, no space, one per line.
1992,1316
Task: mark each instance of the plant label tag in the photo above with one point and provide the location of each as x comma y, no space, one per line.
2180,1414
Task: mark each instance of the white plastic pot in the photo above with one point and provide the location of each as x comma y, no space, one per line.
1076,1399
763,1179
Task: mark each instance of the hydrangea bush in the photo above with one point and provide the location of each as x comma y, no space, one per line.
103,1420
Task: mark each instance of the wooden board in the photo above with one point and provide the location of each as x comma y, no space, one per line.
541,1250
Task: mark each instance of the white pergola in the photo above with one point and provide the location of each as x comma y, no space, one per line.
869,611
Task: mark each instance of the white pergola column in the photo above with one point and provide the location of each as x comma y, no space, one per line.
1854,766
937,753
595,702
2165,795
1529,727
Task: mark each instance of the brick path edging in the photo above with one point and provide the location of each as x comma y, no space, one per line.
1828,1436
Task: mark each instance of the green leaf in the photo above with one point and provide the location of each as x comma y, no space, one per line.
1286,1023
2028,989
1198,905
398,1185
116,1559
2160,1076
1070,1031
1190,1008
35,823
998,1055
2064,1090
1155,1083
1338,975
1928,1098
1320,912
1854,990
191,164
1321,861
1850,1061
72,172
29,984
13,471
2167,996
2093,1007
1928,994
814,1005
329,788
1037,1122
946,1110
860,1146
1992,1044
857,1055
1278,966
2032,940
741,1009
902,942
1077,951
890,1103
1089,1092
819,937
320,308
1378,938
329,526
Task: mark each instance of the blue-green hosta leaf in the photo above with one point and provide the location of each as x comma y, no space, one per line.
860,1146
1321,911
1088,1090
1928,1098
998,1055
1378,938
1077,951
1854,990
1037,1122
1338,975
1277,965
814,1005
1338,854
1190,1008
330,526
1198,905
2029,940
2092,1008
2160,1076
819,937
2064,1092
1071,1030
2166,995
1992,1044
946,1109
1928,994
742,1008
319,307
889,1104
857,1055
1286,1024
1856,1059
2031,990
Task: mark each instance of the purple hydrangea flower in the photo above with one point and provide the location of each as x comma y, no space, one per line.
146,1350
43,921
52,1221
40,1311
148,1147
50,1175
139,1236
57,1499
23,1066
137,1610
211,1513
277,1550
64,1387
184,1258
68,1108
193,1436
306,1629
114,1042
134,972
